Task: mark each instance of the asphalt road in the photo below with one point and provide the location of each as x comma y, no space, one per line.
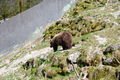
20,28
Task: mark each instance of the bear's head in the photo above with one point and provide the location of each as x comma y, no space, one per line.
52,41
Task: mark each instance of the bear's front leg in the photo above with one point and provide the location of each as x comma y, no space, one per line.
55,48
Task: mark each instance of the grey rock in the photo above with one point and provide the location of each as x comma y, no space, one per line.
73,57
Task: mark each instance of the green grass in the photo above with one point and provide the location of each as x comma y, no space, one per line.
42,44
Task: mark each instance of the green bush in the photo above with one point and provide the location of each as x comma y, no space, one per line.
73,22
77,26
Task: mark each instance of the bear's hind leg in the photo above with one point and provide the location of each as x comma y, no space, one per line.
68,46
64,47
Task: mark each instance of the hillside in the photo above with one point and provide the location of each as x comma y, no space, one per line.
95,27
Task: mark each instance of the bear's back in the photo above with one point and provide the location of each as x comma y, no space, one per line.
66,35
62,35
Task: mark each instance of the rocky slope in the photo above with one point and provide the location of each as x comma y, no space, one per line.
95,26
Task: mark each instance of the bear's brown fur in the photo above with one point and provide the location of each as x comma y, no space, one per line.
63,39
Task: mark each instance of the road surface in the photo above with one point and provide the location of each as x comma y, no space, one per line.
20,28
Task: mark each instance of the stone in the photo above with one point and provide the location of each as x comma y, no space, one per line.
73,57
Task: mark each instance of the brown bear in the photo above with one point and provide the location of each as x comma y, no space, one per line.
63,39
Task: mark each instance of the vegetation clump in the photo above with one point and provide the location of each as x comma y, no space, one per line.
74,22
77,27
104,73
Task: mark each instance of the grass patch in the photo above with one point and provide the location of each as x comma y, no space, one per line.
42,44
